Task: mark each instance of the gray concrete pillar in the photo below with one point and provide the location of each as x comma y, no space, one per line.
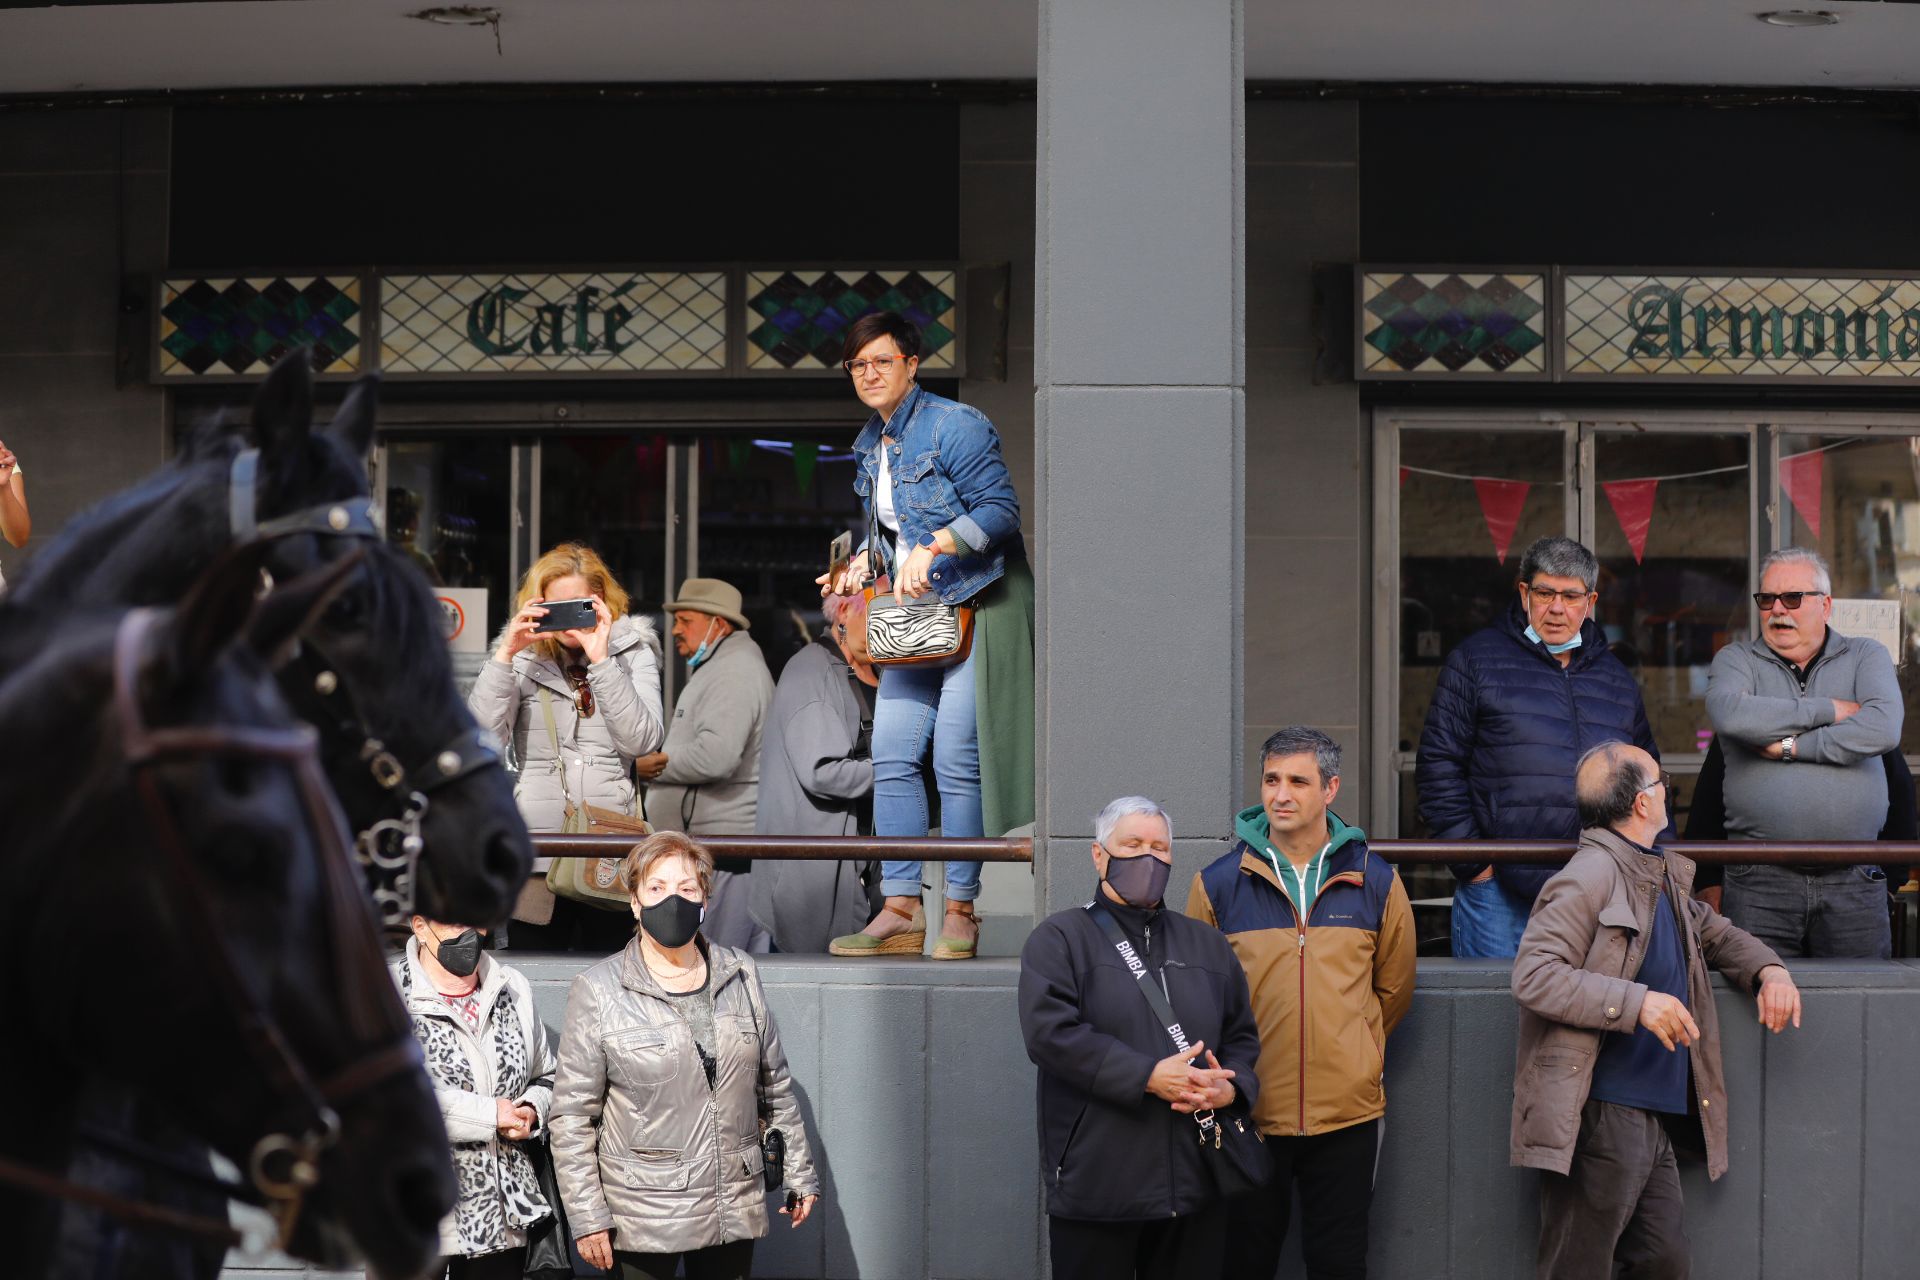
1140,372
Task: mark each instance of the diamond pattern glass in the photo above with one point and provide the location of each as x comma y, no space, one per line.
226,326
797,319
554,322
1437,323
1742,326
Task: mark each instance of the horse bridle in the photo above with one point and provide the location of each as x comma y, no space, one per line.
389,850
283,1166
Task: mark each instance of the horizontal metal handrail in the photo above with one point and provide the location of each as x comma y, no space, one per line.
1824,853
806,848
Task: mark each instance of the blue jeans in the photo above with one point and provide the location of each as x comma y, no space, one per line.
1841,912
1487,920
918,707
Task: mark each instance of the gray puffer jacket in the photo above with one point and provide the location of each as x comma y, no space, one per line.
597,751
641,1146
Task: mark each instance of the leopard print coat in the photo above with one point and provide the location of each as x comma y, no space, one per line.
509,1057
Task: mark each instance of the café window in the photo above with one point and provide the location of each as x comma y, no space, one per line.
1679,508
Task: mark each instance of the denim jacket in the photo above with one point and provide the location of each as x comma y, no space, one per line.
947,474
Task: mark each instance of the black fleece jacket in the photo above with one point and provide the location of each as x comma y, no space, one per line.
1109,1150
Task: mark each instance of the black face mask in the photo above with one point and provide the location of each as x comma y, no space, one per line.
672,921
1141,881
460,954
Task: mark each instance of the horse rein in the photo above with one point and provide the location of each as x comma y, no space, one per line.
390,849
284,1163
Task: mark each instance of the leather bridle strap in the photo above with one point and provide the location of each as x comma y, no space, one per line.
350,517
135,1213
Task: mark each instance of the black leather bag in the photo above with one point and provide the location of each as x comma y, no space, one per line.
1236,1151
549,1255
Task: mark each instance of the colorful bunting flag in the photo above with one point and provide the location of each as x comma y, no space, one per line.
1801,475
1633,507
1501,502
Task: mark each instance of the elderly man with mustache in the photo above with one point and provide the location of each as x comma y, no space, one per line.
1803,714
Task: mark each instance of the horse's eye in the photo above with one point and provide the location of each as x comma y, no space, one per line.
348,610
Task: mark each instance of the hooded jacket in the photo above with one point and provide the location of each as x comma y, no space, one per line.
1576,980
1109,1150
1505,732
1327,990
596,751
711,784
642,1146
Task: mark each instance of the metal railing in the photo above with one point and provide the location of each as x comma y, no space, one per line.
1804,853
805,848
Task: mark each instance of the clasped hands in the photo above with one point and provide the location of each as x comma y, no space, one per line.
1189,1088
515,1120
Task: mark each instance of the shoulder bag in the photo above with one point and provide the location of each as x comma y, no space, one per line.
923,632
1235,1151
594,881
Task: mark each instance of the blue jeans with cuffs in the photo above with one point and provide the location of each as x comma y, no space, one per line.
918,707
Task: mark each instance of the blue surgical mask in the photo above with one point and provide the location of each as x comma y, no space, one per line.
1534,636
705,650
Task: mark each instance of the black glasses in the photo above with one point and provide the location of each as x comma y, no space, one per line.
882,365
1791,599
1664,780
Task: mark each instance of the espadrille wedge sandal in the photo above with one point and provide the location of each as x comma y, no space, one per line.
908,942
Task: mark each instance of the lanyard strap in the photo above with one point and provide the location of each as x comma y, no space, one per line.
1156,999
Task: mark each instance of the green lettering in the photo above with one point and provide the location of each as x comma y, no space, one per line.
1801,320
549,329
487,316
1644,310
613,318
1755,320
1909,344
1703,317
1882,323
583,303
1839,333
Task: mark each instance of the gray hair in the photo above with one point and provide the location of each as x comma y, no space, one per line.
1127,807
1822,577
1560,558
1297,738
1611,802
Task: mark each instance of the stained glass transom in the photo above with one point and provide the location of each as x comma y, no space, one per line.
1437,323
226,326
798,319
554,322
1783,326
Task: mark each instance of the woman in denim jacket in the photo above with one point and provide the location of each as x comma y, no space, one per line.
930,469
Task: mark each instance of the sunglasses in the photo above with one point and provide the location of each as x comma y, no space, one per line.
1791,599
582,691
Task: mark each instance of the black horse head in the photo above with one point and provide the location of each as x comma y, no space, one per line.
399,745
183,919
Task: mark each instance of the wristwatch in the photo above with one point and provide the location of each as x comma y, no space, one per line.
1786,749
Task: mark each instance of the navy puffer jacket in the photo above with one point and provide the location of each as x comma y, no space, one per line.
1506,729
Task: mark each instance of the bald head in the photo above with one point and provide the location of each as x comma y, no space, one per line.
1612,786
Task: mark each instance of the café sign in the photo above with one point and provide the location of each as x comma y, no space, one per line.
1568,325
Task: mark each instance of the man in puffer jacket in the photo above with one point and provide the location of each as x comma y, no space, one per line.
1517,705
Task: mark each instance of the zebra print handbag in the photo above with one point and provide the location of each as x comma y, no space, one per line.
927,632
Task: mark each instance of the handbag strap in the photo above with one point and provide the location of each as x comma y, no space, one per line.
553,735
1156,998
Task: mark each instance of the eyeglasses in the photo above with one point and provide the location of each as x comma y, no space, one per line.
1664,780
1791,599
582,691
1547,595
882,365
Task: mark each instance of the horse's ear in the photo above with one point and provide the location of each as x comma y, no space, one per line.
353,423
285,613
214,611
283,407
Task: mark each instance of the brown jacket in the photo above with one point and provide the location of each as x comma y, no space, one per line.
1327,991
1574,980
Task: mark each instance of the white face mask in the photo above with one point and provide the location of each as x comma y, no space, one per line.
1574,643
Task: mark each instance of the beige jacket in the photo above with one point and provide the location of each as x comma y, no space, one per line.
1574,979
641,1146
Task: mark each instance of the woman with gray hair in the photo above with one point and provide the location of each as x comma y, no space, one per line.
816,779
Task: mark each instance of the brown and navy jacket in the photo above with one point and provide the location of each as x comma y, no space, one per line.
1327,990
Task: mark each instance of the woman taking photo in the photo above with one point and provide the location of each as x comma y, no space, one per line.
668,1061
487,1055
577,707
931,475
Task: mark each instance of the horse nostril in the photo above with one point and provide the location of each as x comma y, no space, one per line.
505,858
421,1196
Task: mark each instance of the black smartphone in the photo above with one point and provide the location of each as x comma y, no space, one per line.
568,615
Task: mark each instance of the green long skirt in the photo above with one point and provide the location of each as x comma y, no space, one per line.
1003,699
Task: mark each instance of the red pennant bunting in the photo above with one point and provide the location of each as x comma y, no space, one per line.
1500,503
1801,475
1633,506
1403,477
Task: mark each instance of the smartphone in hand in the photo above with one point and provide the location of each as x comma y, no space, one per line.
568,615
839,554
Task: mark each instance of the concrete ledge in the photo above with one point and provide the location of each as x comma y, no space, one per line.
919,1098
